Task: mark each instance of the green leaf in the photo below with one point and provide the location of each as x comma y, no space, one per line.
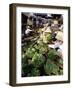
61,61
51,68
49,37
61,72
53,55
55,69
38,59
35,72
30,52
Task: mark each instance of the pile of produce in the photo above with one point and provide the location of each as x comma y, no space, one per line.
40,60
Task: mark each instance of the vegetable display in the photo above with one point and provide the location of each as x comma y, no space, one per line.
39,60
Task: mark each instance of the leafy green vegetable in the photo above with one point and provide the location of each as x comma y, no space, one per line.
51,68
49,37
60,61
61,72
38,59
30,52
53,55
35,72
